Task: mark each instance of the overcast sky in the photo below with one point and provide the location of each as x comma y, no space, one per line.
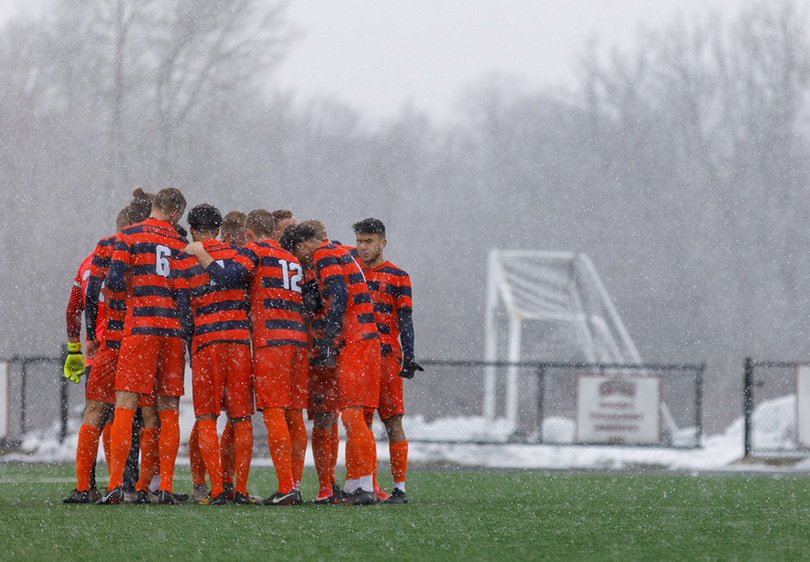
379,54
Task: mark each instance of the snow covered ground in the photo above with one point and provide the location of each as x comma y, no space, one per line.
718,453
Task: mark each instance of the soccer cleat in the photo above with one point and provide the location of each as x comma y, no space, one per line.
358,497
324,498
221,499
229,491
166,498
77,496
94,495
199,493
241,499
141,497
112,497
397,496
181,497
293,497
381,494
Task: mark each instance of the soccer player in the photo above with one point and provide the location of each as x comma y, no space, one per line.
390,289
282,219
277,321
220,358
352,339
233,228
146,260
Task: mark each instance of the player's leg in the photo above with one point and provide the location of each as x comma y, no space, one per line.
197,465
295,413
322,453
379,492
391,409
125,405
237,400
169,388
149,443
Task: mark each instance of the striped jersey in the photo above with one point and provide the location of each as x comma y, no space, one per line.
146,261
220,313
334,264
390,289
105,309
275,278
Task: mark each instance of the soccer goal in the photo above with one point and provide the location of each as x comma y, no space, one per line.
556,309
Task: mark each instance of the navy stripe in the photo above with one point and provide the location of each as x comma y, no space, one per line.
101,262
386,348
384,329
283,304
224,306
116,325
327,261
356,277
271,261
276,343
390,270
291,325
319,324
113,344
206,344
404,291
373,336
117,304
144,269
362,298
154,312
383,308
225,326
272,283
152,291
366,318
162,332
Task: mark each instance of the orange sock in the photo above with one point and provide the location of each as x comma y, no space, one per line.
243,453
195,459
359,444
278,440
322,452
120,442
168,445
209,450
399,460
374,458
86,451
227,451
298,439
335,441
149,457
105,440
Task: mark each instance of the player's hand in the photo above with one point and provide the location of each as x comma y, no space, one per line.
409,368
92,348
74,364
194,249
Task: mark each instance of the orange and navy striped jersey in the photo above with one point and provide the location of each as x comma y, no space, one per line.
146,262
102,303
390,289
73,314
275,277
220,313
355,322
315,312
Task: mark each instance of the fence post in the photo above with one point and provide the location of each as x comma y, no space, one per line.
541,372
63,399
23,392
748,404
699,409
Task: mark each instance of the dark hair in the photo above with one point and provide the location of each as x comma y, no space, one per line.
169,200
295,234
141,205
370,226
122,219
181,231
320,228
260,221
204,218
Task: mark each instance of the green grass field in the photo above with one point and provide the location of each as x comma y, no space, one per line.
452,515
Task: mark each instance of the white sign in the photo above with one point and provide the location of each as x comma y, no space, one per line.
618,410
803,405
3,399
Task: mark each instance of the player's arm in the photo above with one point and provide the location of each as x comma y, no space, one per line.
117,276
235,270
74,363
406,335
335,289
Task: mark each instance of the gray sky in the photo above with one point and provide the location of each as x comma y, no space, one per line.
377,55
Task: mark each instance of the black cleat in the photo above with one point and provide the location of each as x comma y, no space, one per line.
181,497
293,497
141,497
166,498
94,495
229,491
241,499
397,496
358,497
78,497
326,500
221,499
112,497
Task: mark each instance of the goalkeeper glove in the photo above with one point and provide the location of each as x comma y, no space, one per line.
74,364
409,368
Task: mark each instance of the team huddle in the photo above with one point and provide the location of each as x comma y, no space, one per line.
274,317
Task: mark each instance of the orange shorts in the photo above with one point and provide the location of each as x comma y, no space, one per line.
147,400
323,395
359,374
272,375
300,374
151,363
220,379
390,388
101,379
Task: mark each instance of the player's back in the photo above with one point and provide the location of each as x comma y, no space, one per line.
150,251
111,304
276,308
332,260
220,313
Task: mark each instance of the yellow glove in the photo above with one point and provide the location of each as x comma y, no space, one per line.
74,364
